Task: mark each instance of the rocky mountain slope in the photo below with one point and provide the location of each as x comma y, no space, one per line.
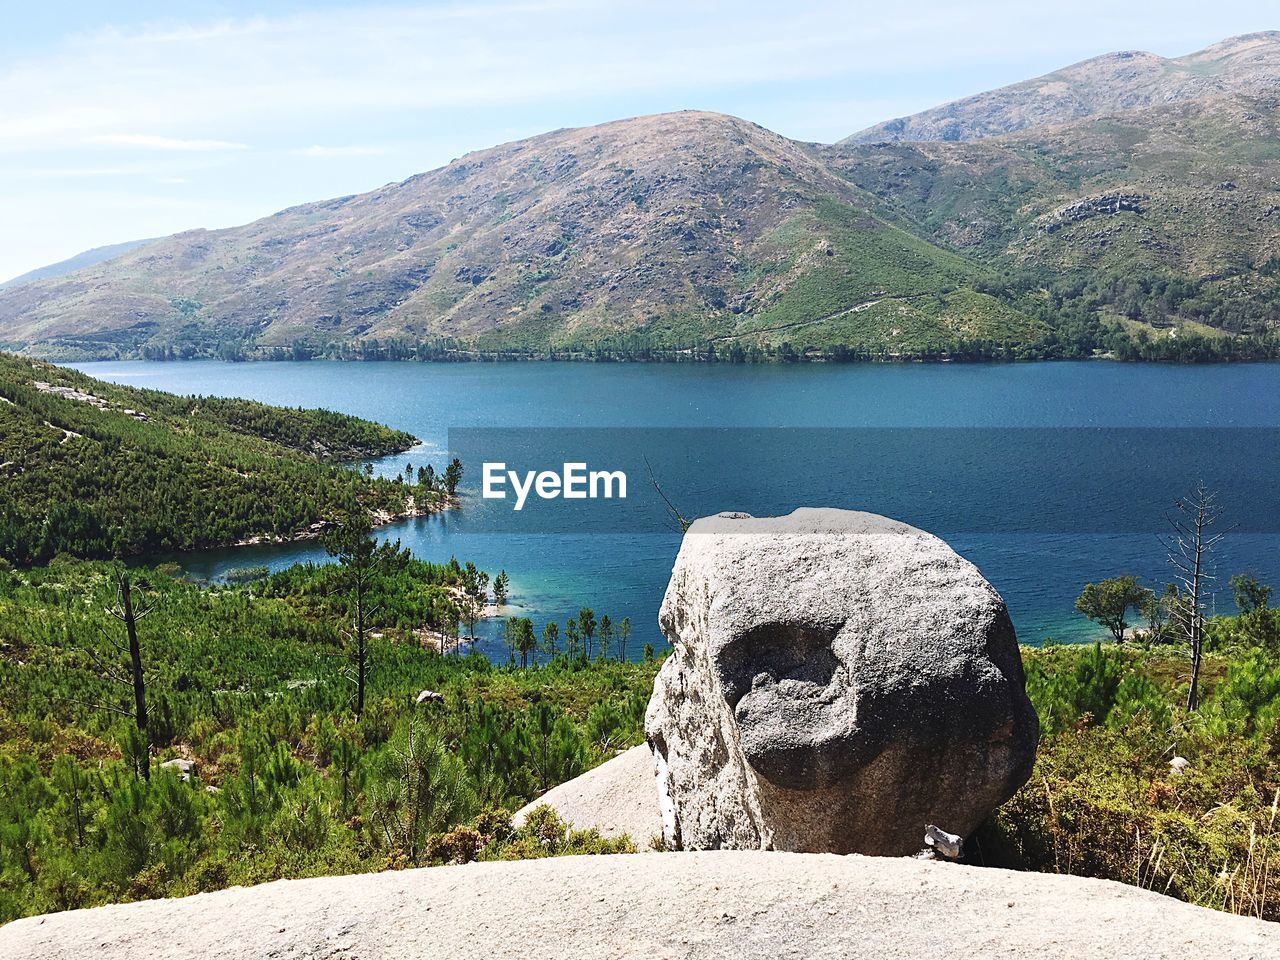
684,225
700,905
1125,202
1188,192
1248,65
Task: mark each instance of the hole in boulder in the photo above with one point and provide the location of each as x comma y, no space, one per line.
775,653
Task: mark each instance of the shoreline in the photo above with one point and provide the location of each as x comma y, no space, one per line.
441,642
314,531
682,356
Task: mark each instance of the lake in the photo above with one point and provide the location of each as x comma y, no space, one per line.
1079,510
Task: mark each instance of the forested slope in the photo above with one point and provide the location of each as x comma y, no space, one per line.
95,469
251,684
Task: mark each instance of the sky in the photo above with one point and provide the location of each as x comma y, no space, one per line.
126,120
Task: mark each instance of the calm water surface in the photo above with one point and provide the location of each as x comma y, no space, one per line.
1039,574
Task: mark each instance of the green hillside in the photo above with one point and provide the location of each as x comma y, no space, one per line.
248,683
244,684
94,469
1166,217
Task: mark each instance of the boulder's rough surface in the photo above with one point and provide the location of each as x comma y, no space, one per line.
741,904
617,798
839,680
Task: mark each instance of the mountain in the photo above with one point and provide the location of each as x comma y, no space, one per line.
86,259
95,469
1126,206
682,226
1187,186
1248,65
1167,214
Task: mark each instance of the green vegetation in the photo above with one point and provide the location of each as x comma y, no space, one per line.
1159,761
1015,313
253,685
93,469
861,258
1130,786
1109,602
1132,313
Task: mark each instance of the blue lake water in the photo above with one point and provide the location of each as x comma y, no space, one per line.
1039,569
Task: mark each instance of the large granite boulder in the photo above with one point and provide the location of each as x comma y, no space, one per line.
839,681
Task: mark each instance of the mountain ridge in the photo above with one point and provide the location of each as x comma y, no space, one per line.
697,234
84,258
1106,84
668,222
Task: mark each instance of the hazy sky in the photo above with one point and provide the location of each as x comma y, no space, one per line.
124,120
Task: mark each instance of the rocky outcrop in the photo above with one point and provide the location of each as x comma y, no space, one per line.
1108,204
839,681
184,768
617,798
739,904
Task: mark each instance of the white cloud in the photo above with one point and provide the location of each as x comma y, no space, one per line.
209,85
143,141
73,173
235,80
351,150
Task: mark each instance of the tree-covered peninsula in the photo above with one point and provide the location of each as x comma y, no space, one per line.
94,469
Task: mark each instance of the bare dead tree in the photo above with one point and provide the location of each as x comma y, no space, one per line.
132,676
676,515
1190,547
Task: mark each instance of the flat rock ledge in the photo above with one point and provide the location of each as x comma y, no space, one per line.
697,905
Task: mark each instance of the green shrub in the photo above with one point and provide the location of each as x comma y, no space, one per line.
1104,801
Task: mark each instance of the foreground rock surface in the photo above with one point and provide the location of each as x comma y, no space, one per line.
744,904
617,798
839,681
